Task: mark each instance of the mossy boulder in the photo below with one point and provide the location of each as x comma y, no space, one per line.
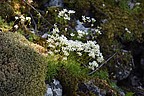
22,69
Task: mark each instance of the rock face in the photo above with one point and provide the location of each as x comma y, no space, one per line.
57,3
90,87
22,69
54,88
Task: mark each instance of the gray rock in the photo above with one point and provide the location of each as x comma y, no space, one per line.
49,91
57,88
54,88
135,81
57,3
90,86
123,69
120,75
131,5
142,63
45,35
81,27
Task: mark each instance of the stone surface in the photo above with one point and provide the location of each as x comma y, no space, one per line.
54,88
57,3
91,87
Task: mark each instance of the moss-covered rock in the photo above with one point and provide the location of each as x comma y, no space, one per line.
22,69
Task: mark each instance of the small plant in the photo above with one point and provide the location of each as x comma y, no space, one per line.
71,66
4,26
52,69
129,94
66,42
124,5
102,74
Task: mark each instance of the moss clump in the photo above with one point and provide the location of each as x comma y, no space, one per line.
6,10
22,69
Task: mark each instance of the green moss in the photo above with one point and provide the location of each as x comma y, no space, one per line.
6,10
22,69
69,73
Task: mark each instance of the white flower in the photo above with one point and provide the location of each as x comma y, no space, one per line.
50,40
79,53
94,64
84,18
88,18
71,11
61,14
66,29
91,67
39,15
103,5
66,17
64,58
60,42
93,20
52,46
50,52
100,59
65,14
66,53
56,51
57,43
46,12
81,33
22,18
28,18
98,31
137,4
16,26
92,54
92,25
55,29
16,18
65,10
127,30
72,34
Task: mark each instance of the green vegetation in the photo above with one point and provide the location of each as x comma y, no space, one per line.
129,94
22,69
6,10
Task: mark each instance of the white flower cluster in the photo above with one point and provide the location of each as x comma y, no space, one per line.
55,29
65,14
93,65
81,33
88,19
65,46
97,30
137,4
22,20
